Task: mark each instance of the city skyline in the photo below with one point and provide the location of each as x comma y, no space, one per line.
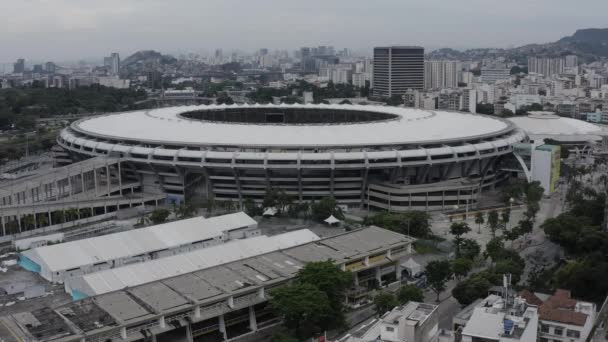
78,32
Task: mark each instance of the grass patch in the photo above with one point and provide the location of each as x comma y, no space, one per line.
426,248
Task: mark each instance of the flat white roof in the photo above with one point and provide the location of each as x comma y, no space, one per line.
553,125
410,126
76,254
145,272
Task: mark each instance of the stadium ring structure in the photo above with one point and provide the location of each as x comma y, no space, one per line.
384,157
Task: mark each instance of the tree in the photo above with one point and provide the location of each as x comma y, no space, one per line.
469,249
458,229
493,222
159,215
461,267
395,100
505,217
303,307
330,279
251,208
410,293
494,249
414,222
467,291
438,273
71,214
479,220
324,208
384,301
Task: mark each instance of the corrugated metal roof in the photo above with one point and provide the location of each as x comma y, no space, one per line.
141,273
105,248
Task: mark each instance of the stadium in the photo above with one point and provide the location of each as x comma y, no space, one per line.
385,157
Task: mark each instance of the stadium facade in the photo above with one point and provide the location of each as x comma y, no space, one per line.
388,157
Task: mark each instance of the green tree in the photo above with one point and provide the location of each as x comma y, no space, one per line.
329,278
438,273
251,208
410,293
414,222
494,249
159,215
469,249
458,229
505,217
324,208
467,291
384,301
493,222
479,220
303,308
461,267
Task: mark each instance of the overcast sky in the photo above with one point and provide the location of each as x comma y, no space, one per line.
73,29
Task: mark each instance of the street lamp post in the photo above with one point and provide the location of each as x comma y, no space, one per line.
511,200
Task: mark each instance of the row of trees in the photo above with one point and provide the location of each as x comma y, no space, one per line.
579,231
20,106
314,302
39,220
414,223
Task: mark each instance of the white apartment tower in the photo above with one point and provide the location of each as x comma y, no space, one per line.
439,74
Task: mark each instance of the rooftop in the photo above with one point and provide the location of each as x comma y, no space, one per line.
549,124
405,126
105,248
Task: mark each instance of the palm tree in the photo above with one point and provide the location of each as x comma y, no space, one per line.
479,220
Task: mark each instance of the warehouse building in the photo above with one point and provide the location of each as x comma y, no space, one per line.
141,273
58,262
215,304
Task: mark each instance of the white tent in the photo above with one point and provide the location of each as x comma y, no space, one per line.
270,211
412,267
332,220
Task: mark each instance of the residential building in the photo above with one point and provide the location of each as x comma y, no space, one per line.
495,319
359,79
492,73
19,66
469,100
414,321
115,66
562,318
546,66
397,69
50,67
597,117
439,74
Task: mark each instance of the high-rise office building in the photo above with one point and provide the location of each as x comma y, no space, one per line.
397,69
19,66
115,67
440,74
546,66
571,61
50,67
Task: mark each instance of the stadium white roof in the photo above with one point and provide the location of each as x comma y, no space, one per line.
410,126
547,124
105,248
141,273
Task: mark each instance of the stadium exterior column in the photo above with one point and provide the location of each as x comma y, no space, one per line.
3,225
119,179
95,180
189,332
109,180
222,323
82,187
50,217
253,325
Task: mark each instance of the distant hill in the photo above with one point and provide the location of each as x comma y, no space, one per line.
147,57
589,44
591,41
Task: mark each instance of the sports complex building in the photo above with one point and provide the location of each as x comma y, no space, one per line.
385,157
